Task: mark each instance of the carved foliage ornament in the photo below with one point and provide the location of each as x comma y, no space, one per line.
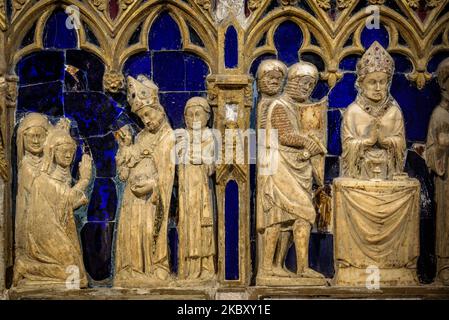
205,4
113,81
415,4
341,4
101,5
254,4
124,4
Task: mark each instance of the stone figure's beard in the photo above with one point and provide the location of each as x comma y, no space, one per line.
270,89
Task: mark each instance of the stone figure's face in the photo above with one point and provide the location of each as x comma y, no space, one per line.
271,83
446,85
301,88
64,154
375,86
34,139
196,114
151,117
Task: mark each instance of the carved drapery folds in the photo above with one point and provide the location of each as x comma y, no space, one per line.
415,4
331,31
286,208
376,204
437,160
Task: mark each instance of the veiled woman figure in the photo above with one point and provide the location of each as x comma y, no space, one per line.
196,215
52,246
31,136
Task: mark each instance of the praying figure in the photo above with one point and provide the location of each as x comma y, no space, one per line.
197,248
147,169
437,153
52,250
376,204
373,133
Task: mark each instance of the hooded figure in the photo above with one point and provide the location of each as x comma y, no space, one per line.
196,202
437,154
53,253
31,136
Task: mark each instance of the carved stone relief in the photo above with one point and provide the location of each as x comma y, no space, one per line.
147,169
376,204
196,223
47,240
286,193
437,153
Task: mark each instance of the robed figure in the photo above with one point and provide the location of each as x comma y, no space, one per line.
147,169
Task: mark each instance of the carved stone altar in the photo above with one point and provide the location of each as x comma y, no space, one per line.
376,232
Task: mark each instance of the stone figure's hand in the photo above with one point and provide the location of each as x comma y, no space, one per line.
85,167
181,146
312,146
373,135
386,143
143,188
443,139
155,197
124,137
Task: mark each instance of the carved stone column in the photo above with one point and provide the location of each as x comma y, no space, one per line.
230,95
3,165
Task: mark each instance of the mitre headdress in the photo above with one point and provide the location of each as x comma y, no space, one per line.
142,92
375,59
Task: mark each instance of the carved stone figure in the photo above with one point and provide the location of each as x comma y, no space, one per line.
271,76
270,80
376,204
53,251
31,135
287,192
147,169
437,153
373,126
196,203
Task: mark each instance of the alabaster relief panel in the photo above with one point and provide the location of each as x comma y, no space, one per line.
46,197
147,166
376,204
47,245
133,200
